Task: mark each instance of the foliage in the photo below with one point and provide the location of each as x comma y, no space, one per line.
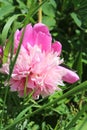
67,21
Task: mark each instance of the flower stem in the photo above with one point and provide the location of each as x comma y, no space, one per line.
40,12
2,115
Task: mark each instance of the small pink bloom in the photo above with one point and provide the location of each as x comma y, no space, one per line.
38,63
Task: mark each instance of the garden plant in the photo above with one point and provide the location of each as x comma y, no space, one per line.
43,64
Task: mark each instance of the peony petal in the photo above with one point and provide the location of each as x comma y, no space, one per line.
28,36
43,36
44,41
70,76
39,27
57,47
39,34
17,36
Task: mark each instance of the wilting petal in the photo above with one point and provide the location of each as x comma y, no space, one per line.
57,47
70,76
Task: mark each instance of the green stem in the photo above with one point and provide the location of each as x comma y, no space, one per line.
12,64
73,91
2,115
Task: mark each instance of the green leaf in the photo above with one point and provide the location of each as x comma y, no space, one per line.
61,109
7,50
53,3
21,4
33,11
21,114
48,9
49,21
5,10
4,37
7,27
80,7
83,124
78,64
5,2
76,19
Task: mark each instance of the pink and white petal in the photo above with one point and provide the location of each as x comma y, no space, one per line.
5,68
70,76
57,47
17,85
17,36
44,41
14,85
39,27
28,36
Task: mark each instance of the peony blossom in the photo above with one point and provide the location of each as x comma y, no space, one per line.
38,67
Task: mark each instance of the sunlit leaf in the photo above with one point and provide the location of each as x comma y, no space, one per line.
76,19
5,10
7,26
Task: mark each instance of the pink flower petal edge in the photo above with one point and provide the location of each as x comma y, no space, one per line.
70,76
1,54
57,47
1,51
39,34
39,62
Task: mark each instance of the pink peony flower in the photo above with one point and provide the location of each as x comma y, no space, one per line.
38,67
